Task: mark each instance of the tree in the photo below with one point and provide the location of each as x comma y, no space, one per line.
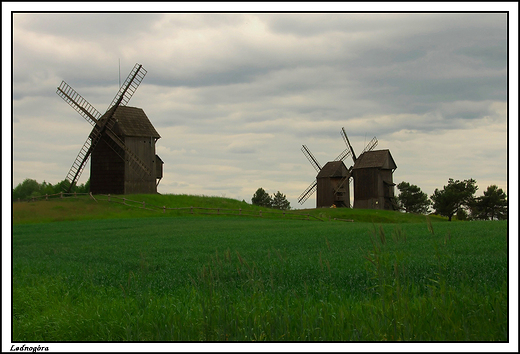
492,205
29,187
262,198
280,201
412,199
82,188
47,188
62,186
456,195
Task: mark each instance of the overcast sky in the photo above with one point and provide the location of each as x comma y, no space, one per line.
235,95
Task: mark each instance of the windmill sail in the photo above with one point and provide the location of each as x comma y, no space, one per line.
311,158
342,183
128,88
134,161
81,105
346,153
307,192
345,138
371,145
81,160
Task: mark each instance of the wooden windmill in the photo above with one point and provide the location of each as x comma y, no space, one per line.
331,183
373,177
121,143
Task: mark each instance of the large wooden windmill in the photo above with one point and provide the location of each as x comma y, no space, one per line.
331,183
121,144
373,177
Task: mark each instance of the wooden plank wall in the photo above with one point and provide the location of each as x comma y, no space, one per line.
106,170
144,148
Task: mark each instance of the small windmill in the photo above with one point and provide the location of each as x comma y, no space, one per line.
373,176
331,183
121,143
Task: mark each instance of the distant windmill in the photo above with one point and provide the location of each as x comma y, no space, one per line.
331,182
373,177
121,143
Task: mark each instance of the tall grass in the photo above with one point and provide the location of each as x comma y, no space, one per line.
239,279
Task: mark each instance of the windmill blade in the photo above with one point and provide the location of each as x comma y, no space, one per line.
345,138
341,183
115,142
307,192
78,165
371,145
311,158
81,105
128,88
81,160
134,161
346,153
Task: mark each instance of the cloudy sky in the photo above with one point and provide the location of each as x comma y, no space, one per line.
235,95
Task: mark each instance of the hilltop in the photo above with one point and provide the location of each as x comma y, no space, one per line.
86,208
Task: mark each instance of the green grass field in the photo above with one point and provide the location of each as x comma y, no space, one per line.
98,271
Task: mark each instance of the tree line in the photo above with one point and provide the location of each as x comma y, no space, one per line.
457,198
30,188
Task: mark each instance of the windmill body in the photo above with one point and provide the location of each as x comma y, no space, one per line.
372,174
110,170
121,144
373,180
332,185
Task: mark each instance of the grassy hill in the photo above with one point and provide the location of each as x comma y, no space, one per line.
133,272
86,208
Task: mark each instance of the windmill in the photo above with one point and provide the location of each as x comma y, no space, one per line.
372,173
121,143
331,183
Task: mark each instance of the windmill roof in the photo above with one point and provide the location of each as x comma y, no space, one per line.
132,121
375,159
333,169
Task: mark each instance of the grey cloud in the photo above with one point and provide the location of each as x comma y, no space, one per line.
350,23
492,56
448,90
88,25
235,95
234,75
241,150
